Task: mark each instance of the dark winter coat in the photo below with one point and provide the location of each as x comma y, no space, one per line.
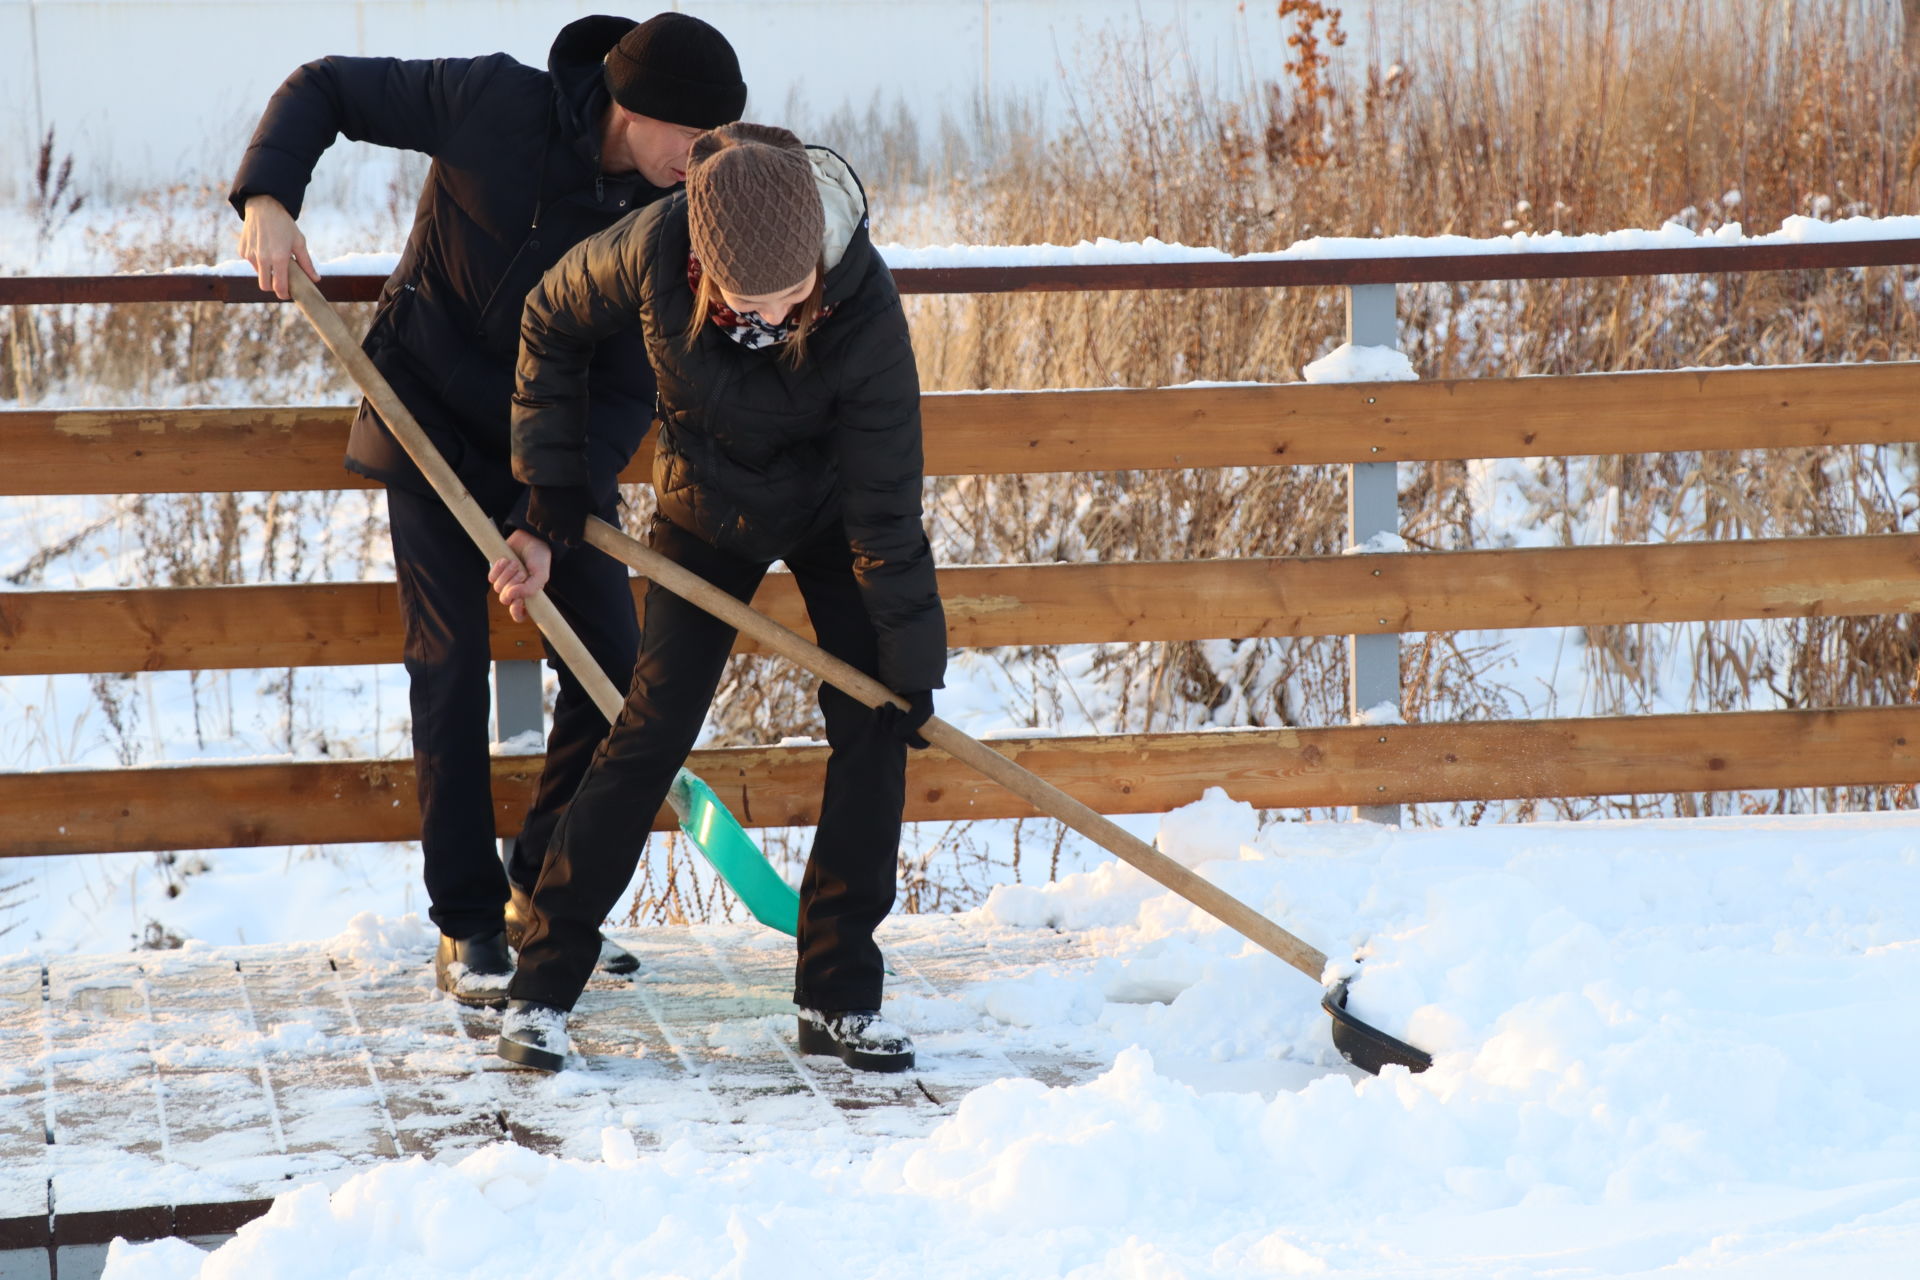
753,456
515,183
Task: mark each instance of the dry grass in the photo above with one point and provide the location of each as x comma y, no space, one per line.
1577,118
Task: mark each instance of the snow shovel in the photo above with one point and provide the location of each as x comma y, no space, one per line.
706,822
1360,1044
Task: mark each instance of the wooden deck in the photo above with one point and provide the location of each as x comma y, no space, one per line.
178,1092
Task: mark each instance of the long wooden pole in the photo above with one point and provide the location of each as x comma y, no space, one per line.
407,430
1037,791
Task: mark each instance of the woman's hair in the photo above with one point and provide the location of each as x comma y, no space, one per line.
794,351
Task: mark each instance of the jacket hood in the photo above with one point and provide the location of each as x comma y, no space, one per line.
845,202
579,85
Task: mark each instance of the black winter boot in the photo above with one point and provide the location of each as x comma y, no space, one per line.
474,970
614,958
861,1038
534,1035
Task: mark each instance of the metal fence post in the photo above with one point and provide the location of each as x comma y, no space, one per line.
518,705
1373,506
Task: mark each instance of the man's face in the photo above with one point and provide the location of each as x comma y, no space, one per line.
654,147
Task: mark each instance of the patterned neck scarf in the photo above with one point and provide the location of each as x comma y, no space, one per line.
748,328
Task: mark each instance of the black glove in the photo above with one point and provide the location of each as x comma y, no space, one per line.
901,724
558,513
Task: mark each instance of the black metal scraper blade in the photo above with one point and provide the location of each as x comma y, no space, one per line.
1368,1048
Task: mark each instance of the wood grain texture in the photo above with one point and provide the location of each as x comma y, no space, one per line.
340,624
325,802
1001,433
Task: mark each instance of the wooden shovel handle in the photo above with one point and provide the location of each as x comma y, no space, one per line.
406,429
1029,786
1035,790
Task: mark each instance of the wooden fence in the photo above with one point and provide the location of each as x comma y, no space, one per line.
74,451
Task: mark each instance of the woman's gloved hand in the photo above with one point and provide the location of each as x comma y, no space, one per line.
903,724
558,513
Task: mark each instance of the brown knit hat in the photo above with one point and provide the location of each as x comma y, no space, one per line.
753,208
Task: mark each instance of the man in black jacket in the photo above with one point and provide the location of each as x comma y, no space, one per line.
525,164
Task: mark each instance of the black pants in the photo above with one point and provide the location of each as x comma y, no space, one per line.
849,884
443,603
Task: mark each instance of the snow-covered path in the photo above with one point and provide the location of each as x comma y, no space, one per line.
1659,1046
163,1080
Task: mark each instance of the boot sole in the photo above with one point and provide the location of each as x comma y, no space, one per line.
526,1055
474,1001
817,1041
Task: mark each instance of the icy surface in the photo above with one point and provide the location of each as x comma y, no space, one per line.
1677,1044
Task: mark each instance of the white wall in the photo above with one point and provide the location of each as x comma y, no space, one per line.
145,93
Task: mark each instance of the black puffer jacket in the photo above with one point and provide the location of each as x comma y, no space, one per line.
515,183
753,456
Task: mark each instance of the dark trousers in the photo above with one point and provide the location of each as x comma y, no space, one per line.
443,604
849,884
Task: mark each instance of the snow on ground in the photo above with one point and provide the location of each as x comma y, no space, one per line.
1679,1045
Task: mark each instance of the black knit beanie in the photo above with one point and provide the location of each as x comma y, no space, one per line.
677,68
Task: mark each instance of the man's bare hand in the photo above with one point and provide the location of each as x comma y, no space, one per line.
514,581
272,241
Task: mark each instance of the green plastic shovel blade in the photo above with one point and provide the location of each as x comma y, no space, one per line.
734,855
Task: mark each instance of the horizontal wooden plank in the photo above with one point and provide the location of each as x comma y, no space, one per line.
1242,273
193,450
221,806
170,287
56,451
98,1227
209,628
1310,424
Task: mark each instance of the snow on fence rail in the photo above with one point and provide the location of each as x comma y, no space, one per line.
1112,265
1363,425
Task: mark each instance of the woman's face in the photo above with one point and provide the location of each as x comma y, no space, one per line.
774,308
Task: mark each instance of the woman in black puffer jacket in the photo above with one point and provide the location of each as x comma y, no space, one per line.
789,430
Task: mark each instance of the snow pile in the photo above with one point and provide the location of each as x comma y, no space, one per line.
528,742
1348,363
380,944
1673,1044
1385,542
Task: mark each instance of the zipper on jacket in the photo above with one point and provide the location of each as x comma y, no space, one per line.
539,207
480,329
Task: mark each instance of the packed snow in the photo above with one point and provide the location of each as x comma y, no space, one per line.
1661,1045
1350,363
